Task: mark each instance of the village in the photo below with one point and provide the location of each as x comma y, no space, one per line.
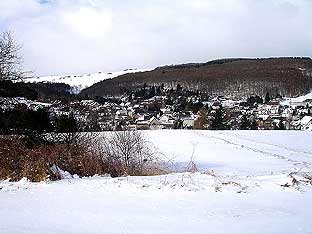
155,107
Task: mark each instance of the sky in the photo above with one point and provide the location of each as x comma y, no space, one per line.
88,36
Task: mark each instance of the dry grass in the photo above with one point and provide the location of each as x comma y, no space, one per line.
123,153
18,161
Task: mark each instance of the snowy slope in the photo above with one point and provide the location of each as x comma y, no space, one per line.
244,187
80,82
303,98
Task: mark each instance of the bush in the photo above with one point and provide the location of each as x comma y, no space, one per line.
129,153
41,157
20,159
11,151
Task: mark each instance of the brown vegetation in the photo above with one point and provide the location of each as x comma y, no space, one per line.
18,159
236,77
121,153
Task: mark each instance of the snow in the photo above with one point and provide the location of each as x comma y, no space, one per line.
300,99
10,103
305,120
237,152
61,173
245,185
79,82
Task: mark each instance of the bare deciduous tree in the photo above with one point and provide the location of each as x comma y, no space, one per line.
10,60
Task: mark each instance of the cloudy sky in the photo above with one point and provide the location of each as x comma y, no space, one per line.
85,36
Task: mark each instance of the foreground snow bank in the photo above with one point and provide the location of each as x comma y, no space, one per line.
175,203
249,182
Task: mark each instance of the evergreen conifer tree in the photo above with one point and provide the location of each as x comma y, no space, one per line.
245,123
218,122
267,97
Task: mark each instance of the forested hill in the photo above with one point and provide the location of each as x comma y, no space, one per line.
230,77
35,90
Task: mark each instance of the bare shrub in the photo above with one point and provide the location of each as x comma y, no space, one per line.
78,154
84,154
20,159
191,166
129,153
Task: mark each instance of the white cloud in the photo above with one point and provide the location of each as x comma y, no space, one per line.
11,9
89,22
67,36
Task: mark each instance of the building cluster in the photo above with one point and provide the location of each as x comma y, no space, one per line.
183,111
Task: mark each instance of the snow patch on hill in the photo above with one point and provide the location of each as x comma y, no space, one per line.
290,101
79,82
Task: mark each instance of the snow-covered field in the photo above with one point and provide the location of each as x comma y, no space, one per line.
238,152
79,82
243,186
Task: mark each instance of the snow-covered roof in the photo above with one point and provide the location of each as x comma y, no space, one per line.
9,103
264,117
306,120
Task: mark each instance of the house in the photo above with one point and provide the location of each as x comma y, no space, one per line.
142,122
287,113
154,123
167,110
167,121
216,105
121,114
264,122
188,120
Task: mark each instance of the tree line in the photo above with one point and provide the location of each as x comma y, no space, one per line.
22,121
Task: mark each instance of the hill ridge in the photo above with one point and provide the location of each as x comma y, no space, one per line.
234,77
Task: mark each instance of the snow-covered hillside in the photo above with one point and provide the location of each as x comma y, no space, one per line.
248,182
293,101
79,82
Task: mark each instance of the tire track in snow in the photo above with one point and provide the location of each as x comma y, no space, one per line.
278,156
274,145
